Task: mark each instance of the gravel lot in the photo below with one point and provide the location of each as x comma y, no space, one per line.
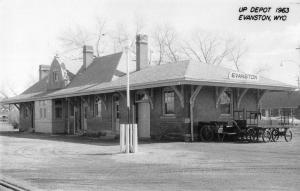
52,162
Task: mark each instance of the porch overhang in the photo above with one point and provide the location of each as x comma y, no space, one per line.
107,88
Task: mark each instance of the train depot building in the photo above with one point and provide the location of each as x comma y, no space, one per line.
167,101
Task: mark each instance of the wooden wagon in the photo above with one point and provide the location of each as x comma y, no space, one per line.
248,126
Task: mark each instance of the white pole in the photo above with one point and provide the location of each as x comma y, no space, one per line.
127,137
127,87
130,138
122,140
135,140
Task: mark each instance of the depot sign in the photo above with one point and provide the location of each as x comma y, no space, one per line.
243,76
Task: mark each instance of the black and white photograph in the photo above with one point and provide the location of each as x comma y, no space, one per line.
149,95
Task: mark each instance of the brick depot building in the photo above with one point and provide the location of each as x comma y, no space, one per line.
166,100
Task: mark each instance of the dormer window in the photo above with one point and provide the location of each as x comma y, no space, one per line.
55,76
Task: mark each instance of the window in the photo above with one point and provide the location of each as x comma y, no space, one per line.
287,111
72,110
168,105
41,113
274,112
42,109
225,102
45,113
263,112
55,76
58,109
98,107
26,112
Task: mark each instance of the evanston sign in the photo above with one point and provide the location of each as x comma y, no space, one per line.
243,76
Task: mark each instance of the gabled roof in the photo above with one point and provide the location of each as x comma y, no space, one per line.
100,70
39,86
184,72
281,100
98,78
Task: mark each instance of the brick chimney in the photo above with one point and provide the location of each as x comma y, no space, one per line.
141,52
43,71
88,55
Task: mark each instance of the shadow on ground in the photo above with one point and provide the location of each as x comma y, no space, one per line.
73,138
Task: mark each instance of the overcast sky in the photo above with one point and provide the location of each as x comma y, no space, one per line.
29,31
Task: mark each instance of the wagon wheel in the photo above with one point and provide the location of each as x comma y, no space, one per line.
288,135
237,129
251,134
275,135
266,135
207,133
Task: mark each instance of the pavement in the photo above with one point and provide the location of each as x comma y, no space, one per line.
58,162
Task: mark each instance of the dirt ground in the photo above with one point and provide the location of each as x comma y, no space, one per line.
52,162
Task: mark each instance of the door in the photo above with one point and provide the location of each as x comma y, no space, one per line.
116,115
85,113
144,120
76,120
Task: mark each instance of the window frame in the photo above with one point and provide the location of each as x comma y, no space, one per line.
55,76
97,106
164,111
26,115
58,107
41,112
230,104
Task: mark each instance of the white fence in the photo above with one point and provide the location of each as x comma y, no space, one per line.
5,126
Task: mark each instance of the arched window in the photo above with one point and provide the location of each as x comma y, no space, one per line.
98,107
58,109
225,102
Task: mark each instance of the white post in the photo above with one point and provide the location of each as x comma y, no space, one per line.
130,138
127,137
127,84
122,141
135,138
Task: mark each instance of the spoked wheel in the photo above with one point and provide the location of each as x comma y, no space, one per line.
266,135
288,135
207,133
275,135
251,134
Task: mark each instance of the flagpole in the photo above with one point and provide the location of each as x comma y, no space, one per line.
128,87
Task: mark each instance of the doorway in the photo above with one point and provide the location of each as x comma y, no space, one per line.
76,119
116,114
85,113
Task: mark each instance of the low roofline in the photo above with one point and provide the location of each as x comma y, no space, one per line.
182,81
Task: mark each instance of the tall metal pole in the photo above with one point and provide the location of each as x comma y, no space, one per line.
128,87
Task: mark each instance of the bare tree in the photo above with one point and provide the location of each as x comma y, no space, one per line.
100,33
236,52
261,69
73,39
166,44
207,48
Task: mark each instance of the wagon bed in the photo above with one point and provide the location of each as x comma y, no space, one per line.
248,126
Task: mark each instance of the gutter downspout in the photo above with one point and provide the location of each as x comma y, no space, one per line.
192,102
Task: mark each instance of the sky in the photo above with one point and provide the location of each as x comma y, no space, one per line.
30,31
